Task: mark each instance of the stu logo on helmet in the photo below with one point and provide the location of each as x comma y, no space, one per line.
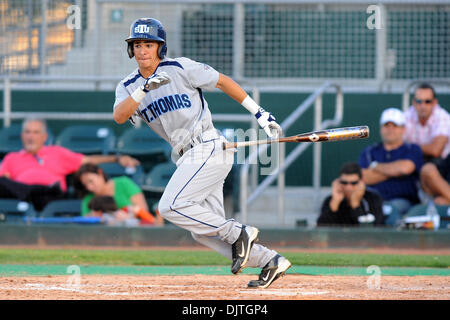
142,28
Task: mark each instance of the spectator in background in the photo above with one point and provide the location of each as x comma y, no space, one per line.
435,181
428,125
350,203
106,209
93,185
37,173
392,167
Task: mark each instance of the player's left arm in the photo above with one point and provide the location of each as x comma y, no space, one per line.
264,118
231,88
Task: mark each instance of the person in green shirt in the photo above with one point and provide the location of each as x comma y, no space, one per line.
90,181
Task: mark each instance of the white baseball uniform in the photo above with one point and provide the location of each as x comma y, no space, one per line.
178,112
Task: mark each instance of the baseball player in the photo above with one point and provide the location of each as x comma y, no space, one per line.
167,95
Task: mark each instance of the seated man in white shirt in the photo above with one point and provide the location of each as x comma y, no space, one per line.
428,125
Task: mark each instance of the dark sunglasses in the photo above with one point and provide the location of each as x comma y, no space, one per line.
353,183
419,101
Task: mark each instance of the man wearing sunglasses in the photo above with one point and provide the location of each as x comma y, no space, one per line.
350,203
392,167
428,125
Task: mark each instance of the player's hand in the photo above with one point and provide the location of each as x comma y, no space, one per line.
156,81
267,121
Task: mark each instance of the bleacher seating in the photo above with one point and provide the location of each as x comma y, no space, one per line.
114,169
62,208
13,211
87,139
144,145
421,210
157,179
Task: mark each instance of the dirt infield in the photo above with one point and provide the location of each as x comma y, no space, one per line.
207,287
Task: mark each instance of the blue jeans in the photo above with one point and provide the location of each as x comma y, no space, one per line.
394,210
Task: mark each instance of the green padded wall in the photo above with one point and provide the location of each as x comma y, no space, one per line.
359,109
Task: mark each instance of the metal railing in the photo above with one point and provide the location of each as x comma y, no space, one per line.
9,115
316,99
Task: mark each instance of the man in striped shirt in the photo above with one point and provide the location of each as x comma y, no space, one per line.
428,125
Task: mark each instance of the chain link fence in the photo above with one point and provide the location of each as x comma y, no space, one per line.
298,41
34,35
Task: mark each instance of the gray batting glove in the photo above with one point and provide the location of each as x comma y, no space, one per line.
156,81
267,121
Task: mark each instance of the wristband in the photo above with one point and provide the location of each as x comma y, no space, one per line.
138,95
250,104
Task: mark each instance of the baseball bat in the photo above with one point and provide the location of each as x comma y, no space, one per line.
337,134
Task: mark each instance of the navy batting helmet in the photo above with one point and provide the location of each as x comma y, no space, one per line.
147,29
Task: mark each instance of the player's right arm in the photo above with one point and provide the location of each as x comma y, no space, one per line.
125,109
126,105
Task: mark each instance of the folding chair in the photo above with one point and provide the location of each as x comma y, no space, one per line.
114,169
62,208
13,210
144,145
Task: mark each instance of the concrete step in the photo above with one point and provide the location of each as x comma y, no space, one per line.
301,205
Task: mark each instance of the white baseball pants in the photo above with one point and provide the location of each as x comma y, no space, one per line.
193,200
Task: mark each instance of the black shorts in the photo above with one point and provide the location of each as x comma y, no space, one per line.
443,165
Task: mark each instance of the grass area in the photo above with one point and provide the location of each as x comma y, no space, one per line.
185,257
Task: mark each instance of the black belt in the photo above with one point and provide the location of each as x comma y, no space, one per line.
197,140
185,149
